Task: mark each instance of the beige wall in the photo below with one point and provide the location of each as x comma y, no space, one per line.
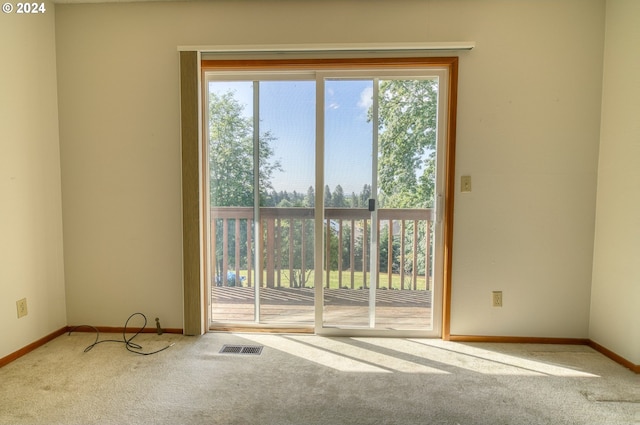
615,301
31,260
528,128
528,133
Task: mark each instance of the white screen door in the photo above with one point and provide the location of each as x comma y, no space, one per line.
382,184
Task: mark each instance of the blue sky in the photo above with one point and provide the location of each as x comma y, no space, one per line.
287,109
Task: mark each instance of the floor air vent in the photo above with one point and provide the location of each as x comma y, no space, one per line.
242,349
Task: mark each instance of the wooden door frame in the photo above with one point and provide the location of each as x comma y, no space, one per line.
191,72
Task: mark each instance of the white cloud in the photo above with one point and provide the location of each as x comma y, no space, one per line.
333,104
366,98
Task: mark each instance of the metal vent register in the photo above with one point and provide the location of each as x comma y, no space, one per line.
255,350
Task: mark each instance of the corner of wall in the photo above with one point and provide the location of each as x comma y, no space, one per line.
31,250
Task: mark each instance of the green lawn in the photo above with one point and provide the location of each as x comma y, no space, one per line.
334,281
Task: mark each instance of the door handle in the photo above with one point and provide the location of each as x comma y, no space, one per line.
372,205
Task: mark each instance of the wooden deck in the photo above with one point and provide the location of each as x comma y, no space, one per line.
395,309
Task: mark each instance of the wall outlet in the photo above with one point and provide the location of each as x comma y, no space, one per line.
21,305
497,298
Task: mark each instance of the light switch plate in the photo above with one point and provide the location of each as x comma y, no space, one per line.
465,184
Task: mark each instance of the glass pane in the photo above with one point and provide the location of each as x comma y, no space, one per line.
282,242
406,181
230,139
347,226
287,197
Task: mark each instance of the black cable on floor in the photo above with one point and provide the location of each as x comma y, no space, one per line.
133,347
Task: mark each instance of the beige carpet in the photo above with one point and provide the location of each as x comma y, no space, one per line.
314,380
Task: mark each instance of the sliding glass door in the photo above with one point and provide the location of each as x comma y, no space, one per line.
323,191
261,145
380,153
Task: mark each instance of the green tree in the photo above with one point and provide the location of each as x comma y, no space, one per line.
355,200
338,197
328,201
231,154
407,141
365,194
310,200
231,169
301,232
384,251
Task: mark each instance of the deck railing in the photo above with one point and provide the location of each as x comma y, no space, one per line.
286,247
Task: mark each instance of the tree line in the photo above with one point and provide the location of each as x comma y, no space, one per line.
332,199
